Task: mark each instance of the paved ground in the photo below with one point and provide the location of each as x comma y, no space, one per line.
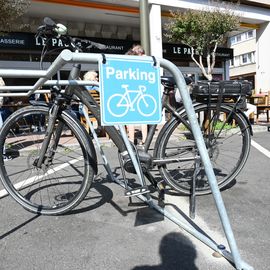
107,232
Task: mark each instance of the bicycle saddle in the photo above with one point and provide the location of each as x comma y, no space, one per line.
169,81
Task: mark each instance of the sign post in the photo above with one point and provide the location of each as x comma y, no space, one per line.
130,91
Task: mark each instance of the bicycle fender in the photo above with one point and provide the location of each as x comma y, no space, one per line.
91,149
38,103
239,111
247,119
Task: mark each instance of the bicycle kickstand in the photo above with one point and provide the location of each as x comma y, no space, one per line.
158,185
192,197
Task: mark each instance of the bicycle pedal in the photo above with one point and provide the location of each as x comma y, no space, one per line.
137,191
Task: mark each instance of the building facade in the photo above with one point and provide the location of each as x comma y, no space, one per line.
117,25
243,63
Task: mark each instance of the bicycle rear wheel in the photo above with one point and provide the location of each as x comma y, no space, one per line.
66,172
227,140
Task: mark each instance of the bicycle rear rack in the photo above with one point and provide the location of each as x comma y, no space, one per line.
67,56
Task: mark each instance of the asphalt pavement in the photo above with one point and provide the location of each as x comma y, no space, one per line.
107,231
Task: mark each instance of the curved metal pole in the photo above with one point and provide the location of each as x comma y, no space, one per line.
205,159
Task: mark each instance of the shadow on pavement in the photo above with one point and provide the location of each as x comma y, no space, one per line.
176,252
18,227
98,195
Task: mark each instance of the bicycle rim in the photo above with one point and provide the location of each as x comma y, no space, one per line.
227,142
63,179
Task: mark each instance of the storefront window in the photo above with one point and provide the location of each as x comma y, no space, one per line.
14,56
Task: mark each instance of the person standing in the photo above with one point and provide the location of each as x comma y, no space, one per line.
137,50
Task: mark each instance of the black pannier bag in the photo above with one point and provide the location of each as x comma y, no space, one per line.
233,92
226,89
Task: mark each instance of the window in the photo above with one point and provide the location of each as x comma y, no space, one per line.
245,58
6,56
233,40
242,37
250,34
248,58
236,61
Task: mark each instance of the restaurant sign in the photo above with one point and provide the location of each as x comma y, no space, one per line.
28,41
183,51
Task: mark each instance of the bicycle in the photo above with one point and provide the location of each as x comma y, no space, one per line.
145,103
55,175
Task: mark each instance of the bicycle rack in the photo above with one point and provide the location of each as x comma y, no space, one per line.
67,56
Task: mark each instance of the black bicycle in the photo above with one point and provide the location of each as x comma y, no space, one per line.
52,160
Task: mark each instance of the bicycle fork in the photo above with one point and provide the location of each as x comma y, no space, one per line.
44,155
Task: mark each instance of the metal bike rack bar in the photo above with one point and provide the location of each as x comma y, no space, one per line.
67,56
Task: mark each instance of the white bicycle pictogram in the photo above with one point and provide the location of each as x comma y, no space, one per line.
119,104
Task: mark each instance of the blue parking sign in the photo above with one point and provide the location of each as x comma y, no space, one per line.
129,91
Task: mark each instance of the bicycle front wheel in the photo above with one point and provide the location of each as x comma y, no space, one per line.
67,170
227,138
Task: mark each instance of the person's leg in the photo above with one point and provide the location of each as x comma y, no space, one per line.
144,133
131,133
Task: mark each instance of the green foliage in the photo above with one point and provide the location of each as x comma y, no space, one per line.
10,11
202,30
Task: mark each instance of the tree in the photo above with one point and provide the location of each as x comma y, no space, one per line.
10,11
203,31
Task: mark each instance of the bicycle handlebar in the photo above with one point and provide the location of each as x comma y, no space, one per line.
50,29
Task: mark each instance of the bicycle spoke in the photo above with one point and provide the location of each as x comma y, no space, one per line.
60,182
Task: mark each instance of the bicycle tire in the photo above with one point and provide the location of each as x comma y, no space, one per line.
61,183
228,154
